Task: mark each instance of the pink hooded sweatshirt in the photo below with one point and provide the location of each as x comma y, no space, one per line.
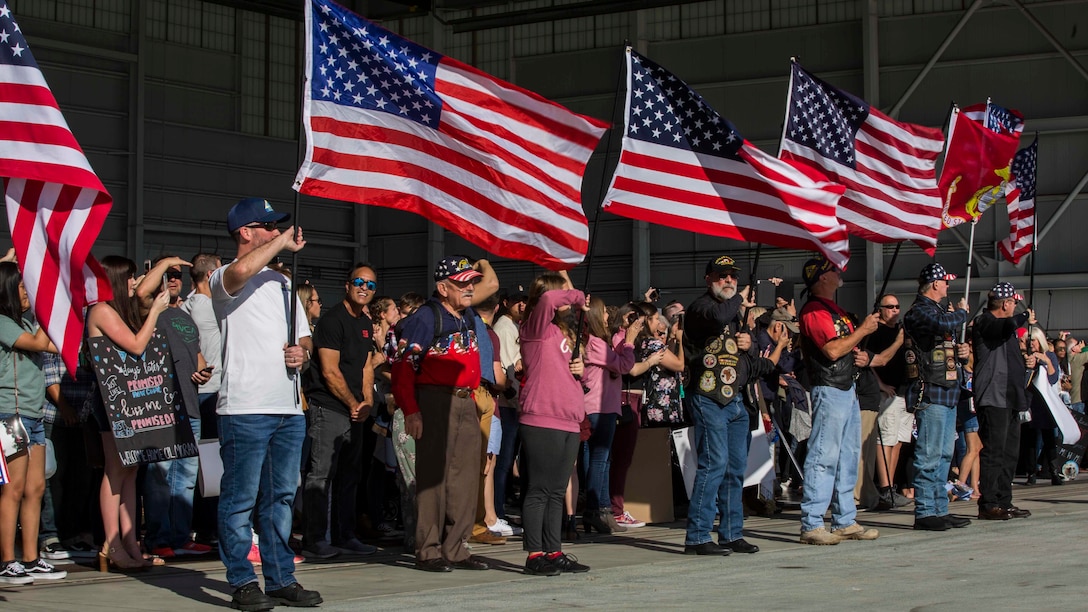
550,396
605,368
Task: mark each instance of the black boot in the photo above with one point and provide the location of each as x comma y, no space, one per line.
570,528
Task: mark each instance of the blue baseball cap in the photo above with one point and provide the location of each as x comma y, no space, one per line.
253,210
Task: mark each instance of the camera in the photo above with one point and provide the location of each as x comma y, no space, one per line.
631,318
654,295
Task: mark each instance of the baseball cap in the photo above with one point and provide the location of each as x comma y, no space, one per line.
456,268
1004,290
815,268
934,272
253,210
723,263
781,314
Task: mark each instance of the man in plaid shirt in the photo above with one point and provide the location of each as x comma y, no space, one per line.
932,330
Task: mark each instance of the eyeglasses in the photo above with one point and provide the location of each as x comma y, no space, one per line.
890,306
173,275
314,301
364,283
269,225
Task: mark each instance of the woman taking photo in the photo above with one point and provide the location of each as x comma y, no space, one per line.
117,320
22,394
605,366
552,409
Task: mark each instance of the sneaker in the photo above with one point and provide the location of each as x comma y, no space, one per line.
54,552
355,547
192,548
388,531
856,532
254,556
320,550
81,550
163,551
540,566
629,521
250,598
14,573
294,596
901,500
820,537
41,570
567,563
502,528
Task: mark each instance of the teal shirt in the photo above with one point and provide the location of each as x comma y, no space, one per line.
21,366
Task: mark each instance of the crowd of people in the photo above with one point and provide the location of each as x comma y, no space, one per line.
426,419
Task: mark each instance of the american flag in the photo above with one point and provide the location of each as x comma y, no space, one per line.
55,203
684,166
1020,199
888,167
390,123
997,118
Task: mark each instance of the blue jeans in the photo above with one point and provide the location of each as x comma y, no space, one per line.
507,453
932,458
721,450
831,467
261,455
596,460
169,488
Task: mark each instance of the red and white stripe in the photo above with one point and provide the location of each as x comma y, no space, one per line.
1021,225
762,199
503,169
892,194
56,206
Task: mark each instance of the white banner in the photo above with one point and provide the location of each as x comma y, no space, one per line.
760,463
1066,423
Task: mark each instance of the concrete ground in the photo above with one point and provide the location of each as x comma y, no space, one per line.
1024,564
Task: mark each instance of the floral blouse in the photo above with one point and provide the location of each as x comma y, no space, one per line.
661,406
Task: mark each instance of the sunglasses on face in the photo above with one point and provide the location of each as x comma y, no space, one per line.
173,275
363,283
890,306
270,225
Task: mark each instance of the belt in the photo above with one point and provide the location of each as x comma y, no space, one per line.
461,392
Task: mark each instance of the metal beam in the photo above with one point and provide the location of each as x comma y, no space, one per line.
1062,208
564,11
870,46
894,112
137,89
1050,38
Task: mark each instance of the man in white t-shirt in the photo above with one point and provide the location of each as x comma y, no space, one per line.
261,425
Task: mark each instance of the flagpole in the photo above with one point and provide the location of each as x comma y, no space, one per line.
620,85
887,275
751,287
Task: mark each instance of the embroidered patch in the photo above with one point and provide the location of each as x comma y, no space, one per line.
707,382
729,375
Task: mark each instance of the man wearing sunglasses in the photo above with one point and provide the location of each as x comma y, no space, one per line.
340,395
895,425
933,329
261,424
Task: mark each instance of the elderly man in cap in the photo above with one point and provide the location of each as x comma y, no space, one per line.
436,370
1000,377
830,338
261,425
933,329
721,364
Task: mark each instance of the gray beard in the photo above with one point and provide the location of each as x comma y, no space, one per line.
726,293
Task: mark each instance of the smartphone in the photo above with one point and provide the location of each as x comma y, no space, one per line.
655,295
680,321
147,266
208,370
165,281
632,317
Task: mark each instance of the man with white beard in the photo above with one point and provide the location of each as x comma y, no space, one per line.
830,338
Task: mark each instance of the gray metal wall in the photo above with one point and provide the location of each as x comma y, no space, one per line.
184,106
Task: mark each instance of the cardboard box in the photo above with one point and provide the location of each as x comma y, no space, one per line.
648,496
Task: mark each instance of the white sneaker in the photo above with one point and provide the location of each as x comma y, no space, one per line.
502,528
15,573
44,571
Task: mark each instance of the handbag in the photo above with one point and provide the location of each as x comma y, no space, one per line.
14,438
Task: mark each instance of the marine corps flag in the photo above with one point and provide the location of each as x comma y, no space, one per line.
976,163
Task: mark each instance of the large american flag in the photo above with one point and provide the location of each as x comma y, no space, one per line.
1020,199
888,167
682,165
55,203
393,124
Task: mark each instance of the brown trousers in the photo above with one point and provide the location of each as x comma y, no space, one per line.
447,474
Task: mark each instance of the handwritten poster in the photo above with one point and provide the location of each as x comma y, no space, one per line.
143,401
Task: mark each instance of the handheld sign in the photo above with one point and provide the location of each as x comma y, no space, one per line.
143,401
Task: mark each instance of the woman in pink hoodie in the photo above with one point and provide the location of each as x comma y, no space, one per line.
552,410
605,366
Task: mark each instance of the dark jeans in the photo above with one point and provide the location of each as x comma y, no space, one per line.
334,466
47,528
999,431
69,492
547,456
596,460
504,464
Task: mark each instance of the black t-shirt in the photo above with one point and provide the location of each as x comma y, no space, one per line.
353,337
893,373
